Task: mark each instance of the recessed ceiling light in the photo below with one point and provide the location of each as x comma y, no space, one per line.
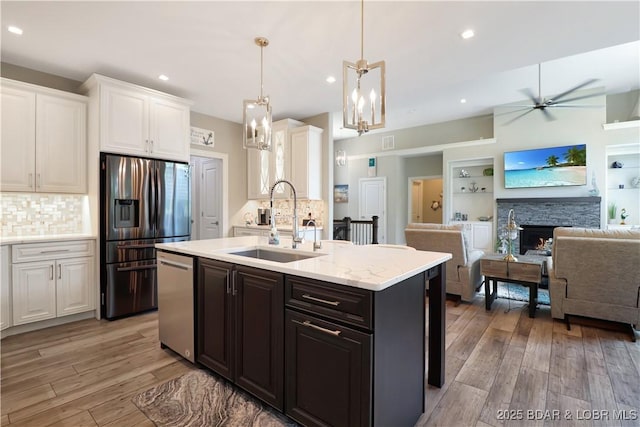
467,34
15,30
163,77
463,101
331,79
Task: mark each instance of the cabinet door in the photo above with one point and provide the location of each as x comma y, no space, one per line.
34,292
168,130
328,373
74,286
18,152
306,162
280,162
61,145
5,289
259,334
483,236
258,179
124,121
214,314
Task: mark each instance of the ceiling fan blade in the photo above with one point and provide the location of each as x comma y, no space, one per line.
563,105
527,92
581,85
517,106
547,115
526,107
580,97
517,117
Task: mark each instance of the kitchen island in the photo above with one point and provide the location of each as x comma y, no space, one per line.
329,337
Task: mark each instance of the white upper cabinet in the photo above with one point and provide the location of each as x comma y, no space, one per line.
266,167
124,121
306,162
138,121
44,139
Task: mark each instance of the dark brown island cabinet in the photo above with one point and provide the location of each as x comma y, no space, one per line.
322,353
240,327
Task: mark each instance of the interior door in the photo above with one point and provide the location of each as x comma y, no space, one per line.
210,199
373,200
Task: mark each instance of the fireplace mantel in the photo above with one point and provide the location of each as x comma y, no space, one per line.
551,200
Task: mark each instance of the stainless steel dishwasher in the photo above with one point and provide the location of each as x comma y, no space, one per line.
175,304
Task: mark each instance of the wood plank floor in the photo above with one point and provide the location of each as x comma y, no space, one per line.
498,364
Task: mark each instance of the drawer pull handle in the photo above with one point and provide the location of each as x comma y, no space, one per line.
318,328
51,251
324,301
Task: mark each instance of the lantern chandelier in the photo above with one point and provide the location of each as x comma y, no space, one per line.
357,112
257,113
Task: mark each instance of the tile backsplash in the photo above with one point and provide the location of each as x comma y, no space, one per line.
31,214
284,210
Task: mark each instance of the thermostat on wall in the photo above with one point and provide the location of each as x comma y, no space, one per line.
372,166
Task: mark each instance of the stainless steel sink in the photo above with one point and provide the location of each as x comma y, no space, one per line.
271,255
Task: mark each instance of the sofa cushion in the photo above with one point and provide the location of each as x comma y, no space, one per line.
465,233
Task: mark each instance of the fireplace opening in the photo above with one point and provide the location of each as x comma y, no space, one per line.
535,237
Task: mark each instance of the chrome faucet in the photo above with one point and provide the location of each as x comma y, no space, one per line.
296,237
316,245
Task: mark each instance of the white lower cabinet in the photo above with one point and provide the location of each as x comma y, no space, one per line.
5,288
34,292
48,281
479,234
482,236
73,286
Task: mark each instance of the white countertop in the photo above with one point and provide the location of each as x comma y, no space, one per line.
13,240
369,267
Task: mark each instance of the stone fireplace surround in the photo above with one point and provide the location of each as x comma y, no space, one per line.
552,211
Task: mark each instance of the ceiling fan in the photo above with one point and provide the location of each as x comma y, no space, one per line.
560,100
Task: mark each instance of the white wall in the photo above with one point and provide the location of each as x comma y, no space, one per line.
571,126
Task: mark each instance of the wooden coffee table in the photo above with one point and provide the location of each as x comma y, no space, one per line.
527,271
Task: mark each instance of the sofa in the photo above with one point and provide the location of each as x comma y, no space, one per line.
595,274
463,270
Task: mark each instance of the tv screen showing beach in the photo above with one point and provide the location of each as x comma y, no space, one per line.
546,167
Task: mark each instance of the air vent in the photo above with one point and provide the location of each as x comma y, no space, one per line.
388,143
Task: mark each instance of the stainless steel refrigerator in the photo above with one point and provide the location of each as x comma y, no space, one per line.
144,202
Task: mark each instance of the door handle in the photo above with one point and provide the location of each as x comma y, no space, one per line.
234,290
151,147
51,272
30,180
146,143
59,271
215,223
38,181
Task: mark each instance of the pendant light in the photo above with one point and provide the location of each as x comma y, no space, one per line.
257,113
364,99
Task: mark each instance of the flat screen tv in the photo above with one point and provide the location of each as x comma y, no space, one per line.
546,167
